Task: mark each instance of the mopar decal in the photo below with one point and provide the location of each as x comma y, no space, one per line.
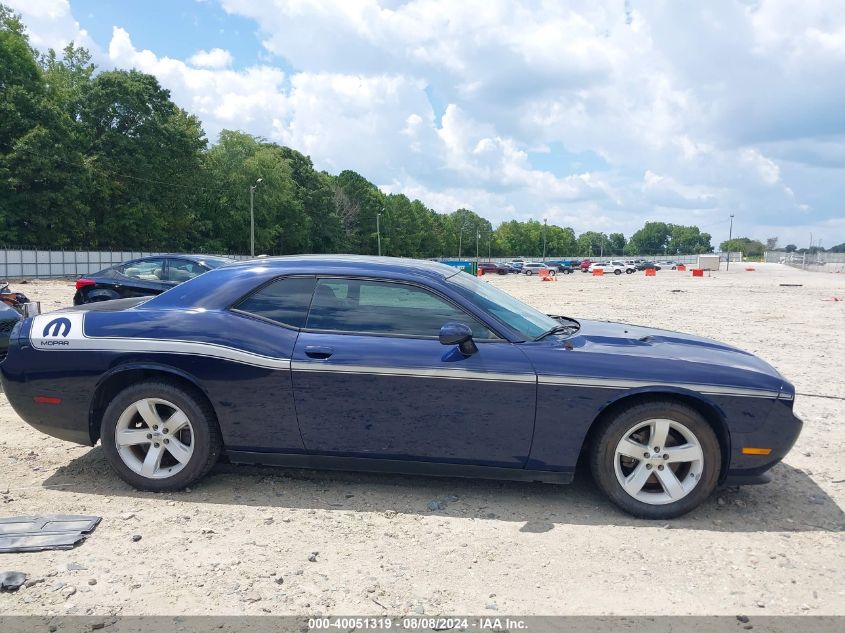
57,327
57,331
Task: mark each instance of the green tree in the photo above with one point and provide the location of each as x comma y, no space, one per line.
145,156
687,239
744,245
616,243
592,244
652,239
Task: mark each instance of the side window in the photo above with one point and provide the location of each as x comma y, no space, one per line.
180,270
284,301
354,305
146,269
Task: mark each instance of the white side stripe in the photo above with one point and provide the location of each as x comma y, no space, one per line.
620,383
57,332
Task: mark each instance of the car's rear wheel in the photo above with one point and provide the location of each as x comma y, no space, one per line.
159,436
628,271
656,460
529,272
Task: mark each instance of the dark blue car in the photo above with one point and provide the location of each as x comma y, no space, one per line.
394,365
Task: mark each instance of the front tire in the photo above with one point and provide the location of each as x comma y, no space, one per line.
657,460
617,272
159,436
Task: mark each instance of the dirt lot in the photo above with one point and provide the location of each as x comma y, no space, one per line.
240,542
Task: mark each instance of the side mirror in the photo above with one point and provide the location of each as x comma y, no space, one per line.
459,334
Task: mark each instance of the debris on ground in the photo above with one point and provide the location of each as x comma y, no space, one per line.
11,580
36,534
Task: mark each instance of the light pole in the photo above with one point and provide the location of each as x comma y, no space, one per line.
545,221
252,217
477,237
730,236
378,232
460,240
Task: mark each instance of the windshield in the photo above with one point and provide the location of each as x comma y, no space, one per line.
528,321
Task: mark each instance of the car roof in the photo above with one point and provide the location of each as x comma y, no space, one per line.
364,263
181,255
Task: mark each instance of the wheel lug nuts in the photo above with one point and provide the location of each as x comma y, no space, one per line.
648,466
656,449
660,467
665,455
646,455
155,427
165,431
149,436
166,441
156,444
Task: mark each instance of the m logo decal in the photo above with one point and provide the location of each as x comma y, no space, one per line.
57,327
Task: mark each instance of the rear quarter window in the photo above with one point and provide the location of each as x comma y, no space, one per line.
284,301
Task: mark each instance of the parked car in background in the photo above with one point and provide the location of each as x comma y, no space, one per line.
13,307
515,266
143,277
561,267
648,265
585,265
615,267
534,268
492,268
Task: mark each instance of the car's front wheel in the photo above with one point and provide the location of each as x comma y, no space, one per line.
617,271
628,271
158,436
656,460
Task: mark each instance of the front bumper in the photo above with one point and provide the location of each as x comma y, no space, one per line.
779,434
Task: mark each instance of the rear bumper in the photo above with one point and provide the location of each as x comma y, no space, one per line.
66,421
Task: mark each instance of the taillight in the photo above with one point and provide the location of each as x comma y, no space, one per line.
81,283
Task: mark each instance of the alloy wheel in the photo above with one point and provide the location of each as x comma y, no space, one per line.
658,461
154,438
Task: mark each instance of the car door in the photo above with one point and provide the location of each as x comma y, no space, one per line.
371,379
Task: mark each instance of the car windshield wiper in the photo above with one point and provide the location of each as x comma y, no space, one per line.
568,329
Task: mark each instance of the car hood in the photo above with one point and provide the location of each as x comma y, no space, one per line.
636,354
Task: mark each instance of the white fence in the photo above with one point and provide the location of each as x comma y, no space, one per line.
38,264
819,262
16,263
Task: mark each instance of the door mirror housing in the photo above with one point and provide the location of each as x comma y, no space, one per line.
459,334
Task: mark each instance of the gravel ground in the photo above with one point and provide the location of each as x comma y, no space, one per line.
254,540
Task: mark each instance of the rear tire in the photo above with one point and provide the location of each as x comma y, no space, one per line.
671,481
159,436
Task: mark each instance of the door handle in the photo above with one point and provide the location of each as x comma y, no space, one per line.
318,351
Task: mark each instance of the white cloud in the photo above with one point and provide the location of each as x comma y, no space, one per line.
215,58
696,111
50,24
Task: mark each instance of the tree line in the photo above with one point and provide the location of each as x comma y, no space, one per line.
106,160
